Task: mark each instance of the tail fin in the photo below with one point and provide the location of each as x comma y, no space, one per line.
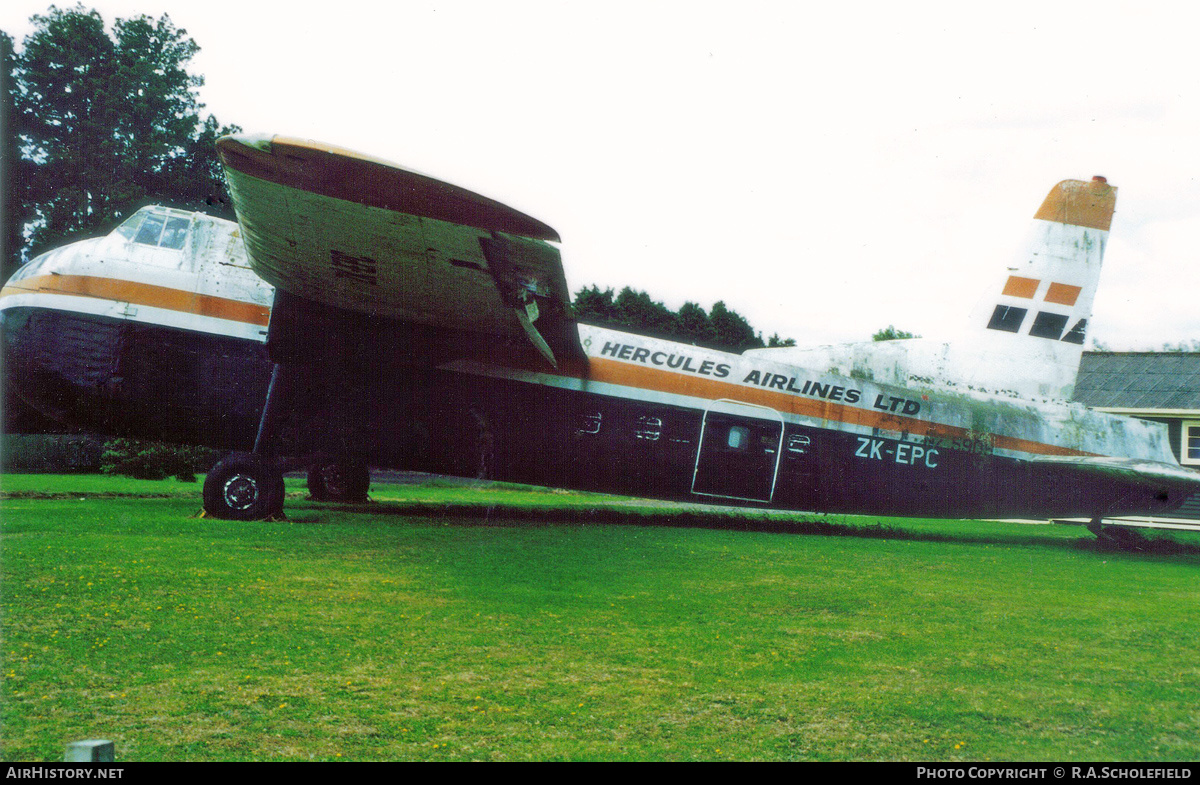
1031,327
1048,295
1026,335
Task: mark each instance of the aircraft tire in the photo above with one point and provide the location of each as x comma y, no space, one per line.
334,479
243,487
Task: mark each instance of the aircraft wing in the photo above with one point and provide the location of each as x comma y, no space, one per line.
357,233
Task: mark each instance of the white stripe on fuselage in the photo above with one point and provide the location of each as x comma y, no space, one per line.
144,314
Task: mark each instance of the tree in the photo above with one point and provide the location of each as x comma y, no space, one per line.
593,305
636,312
733,330
637,308
10,237
775,342
890,333
695,326
106,123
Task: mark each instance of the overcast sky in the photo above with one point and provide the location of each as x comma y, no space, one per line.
825,169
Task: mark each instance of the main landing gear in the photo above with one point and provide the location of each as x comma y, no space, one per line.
338,479
244,487
249,486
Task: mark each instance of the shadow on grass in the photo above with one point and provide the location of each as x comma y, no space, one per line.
1155,546
501,515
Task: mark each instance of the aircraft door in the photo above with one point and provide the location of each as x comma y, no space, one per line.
740,446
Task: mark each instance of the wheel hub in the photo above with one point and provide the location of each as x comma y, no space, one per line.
241,491
335,481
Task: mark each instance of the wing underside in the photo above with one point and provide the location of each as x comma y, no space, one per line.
360,234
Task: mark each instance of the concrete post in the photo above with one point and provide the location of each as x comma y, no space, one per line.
90,751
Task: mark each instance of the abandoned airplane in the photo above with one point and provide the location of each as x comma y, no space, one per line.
361,314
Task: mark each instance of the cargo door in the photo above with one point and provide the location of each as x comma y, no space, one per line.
739,452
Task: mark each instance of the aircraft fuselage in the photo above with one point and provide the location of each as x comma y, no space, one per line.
641,416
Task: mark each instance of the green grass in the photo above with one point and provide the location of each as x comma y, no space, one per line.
62,485
381,634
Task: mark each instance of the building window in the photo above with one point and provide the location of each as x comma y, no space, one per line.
1190,453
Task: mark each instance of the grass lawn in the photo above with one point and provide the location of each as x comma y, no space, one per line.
415,629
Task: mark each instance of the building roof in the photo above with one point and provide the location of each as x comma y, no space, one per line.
1139,380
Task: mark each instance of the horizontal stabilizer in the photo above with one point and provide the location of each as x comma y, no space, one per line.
1127,469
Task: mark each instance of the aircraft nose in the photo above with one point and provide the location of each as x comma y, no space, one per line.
57,357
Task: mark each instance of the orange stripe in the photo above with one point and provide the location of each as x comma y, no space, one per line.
1063,294
1020,287
1080,204
142,294
615,372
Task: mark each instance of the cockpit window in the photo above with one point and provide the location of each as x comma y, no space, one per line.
150,230
150,226
130,226
176,232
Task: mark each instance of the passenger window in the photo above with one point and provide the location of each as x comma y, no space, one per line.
176,232
150,230
797,443
648,428
588,423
